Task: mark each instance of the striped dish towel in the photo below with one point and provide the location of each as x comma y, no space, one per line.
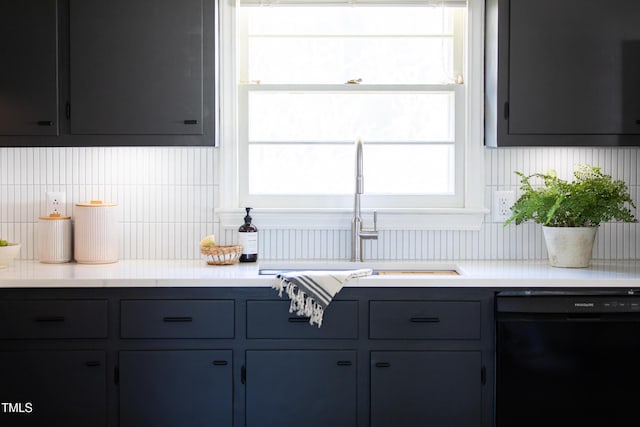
312,291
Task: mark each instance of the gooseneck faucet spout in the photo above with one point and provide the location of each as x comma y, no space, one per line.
358,233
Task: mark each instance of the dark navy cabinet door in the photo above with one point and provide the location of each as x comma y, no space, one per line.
562,73
136,67
53,388
313,388
29,70
175,388
573,67
426,388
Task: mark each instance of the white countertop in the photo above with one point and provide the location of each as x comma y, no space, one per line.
170,273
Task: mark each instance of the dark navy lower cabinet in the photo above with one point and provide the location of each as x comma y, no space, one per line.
53,388
176,388
426,388
236,357
289,388
427,359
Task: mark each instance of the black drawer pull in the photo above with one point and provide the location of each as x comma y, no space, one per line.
45,123
92,363
425,319
178,319
220,363
298,319
638,122
344,363
50,319
190,122
383,365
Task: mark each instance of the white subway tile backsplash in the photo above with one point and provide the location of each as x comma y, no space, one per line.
165,194
166,197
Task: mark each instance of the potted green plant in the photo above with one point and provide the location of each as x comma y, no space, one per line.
571,212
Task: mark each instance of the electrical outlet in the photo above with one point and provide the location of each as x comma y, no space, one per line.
56,202
502,202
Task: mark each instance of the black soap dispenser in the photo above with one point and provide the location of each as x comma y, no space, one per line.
248,238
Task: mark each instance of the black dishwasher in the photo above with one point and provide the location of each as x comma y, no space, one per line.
568,358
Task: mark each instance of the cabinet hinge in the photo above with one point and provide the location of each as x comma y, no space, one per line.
67,110
116,374
243,375
483,375
506,110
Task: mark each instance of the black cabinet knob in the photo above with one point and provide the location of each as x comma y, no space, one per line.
45,123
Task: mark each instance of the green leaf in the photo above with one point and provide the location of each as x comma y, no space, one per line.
590,199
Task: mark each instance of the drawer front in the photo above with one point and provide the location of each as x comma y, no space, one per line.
177,318
424,319
271,319
35,319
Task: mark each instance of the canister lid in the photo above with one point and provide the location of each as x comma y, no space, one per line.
54,216
96,204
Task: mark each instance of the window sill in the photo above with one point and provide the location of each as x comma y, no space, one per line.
336,219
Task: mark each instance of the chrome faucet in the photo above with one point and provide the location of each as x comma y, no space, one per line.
358,233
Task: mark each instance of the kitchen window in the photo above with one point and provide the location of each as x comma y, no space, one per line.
312,77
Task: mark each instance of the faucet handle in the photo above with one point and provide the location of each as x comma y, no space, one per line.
369,233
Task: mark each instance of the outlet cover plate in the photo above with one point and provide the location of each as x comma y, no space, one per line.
56,202
502,202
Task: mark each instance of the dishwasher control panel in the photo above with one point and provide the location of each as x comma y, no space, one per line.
553,303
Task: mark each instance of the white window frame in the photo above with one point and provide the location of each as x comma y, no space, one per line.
379,201
467,215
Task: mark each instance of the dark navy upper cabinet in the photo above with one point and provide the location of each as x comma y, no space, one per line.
562,73
108,73
136,66
29,71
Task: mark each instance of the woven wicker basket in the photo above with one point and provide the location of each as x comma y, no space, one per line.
222,255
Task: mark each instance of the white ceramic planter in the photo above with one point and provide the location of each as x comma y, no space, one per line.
570,246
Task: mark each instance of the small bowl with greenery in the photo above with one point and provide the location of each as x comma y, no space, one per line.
574,208
8,252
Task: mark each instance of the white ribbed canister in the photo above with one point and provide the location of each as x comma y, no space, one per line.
96,232
54,239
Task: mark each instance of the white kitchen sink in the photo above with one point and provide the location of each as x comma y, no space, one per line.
386,268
